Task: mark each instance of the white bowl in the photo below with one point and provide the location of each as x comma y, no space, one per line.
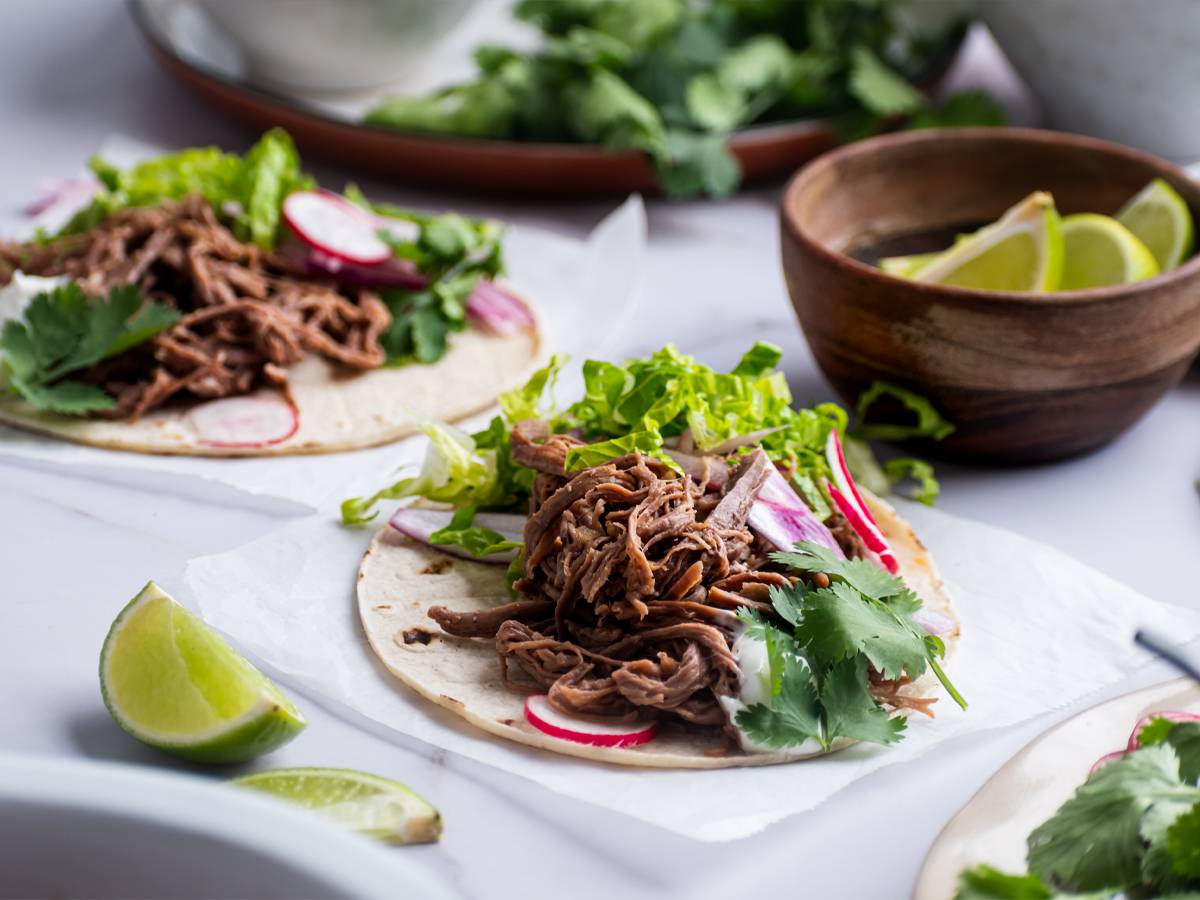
86,829
332,45
1123,70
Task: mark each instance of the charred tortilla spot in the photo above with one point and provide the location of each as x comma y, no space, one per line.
437,567
417,636
382,606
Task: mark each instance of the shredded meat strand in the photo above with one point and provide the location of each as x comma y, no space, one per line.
246,314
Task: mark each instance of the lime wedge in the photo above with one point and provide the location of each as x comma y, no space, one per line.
1099,251
1020,252
906,266
369,804
174,683
1160,218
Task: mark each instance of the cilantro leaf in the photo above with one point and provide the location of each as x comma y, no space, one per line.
793,716
963,108
1075,850
851,711
63,332
863,575
839,623
879,88
1183,843
987,883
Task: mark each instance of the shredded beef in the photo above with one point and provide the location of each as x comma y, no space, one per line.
632,582
246,315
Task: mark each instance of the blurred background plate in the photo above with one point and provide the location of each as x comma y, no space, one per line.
298,79
88,829
1027,791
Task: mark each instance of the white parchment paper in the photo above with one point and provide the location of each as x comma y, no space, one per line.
583,290
1040,630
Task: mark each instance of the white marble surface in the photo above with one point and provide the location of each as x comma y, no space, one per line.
73,550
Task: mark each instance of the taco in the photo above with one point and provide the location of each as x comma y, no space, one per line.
204,303
693,577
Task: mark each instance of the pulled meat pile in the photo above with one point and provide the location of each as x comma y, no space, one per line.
246,314
632,581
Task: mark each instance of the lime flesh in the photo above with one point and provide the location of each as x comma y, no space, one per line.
1161,220
1022,251
906,266
173,683
369,804
1099,251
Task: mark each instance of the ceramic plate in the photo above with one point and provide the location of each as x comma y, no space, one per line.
1031,786
203,59
72,828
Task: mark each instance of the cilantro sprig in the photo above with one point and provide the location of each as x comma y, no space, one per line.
63,332
820,669
673,79
1132,829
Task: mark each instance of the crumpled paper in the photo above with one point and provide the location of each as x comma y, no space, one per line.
583,290
1039,631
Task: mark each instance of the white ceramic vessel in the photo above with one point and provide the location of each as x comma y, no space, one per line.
332,45
86,829
1126,70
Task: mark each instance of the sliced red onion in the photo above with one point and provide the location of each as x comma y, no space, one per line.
934,622
686,442
1169,715
419,524
741,440
783,519
494,309
397,273
75,191
1105,760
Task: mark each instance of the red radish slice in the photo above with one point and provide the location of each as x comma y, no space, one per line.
419,524
1169,715
841,473
868,531
256,421
1105,760
545,718
335,226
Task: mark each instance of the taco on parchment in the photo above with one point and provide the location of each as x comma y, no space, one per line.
203,303
676,571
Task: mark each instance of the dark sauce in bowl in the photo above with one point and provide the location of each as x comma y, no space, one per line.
872,249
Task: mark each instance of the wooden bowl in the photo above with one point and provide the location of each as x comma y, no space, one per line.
1024,377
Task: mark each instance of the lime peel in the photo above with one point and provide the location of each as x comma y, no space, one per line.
173,683
369,804
1022,251
1160,218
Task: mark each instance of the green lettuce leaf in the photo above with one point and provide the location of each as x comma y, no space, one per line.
475,539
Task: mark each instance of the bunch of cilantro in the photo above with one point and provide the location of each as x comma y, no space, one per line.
820,664
673,78
1132,830
636,405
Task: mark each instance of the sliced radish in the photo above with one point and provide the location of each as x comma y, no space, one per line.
545,718
853,506
335,226
256,421
783,519
1105,760
1169,715
867,530
493,308
419,524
